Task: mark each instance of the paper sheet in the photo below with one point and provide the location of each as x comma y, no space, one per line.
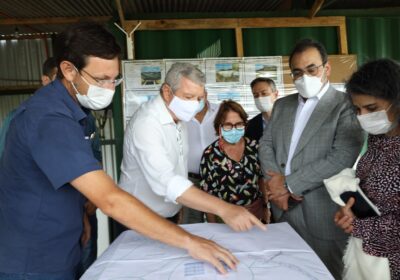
278,253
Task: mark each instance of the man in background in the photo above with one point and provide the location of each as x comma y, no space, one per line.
264,93
49,73
201,133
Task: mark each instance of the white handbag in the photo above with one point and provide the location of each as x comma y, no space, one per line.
360,266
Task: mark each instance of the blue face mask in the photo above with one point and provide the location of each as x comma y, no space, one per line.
201,105
232,136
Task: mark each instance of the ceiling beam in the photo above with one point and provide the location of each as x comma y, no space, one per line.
239,23
52,20
120,12
232,23
316,7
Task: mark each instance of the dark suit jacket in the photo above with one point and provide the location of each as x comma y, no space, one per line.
254,129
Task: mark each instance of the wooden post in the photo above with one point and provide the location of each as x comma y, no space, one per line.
239,42
342,37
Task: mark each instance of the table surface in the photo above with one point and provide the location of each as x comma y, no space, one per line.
277,253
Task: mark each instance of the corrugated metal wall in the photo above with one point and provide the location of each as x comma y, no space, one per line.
374,37
22,60
280,41
184,44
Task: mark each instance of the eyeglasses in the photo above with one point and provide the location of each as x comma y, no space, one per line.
310,71
102,82
230,126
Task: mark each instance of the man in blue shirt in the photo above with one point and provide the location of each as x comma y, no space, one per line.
49,72
48,164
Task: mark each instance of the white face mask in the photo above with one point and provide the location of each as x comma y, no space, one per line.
308,86
184,110
376,123
97,98
264,103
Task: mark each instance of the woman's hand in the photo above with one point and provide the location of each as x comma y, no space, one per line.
344,217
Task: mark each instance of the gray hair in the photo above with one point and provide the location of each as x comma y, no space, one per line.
184,69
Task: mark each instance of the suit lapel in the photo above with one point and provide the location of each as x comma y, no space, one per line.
317,118
289,117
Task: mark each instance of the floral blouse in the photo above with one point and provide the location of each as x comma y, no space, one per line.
379,173
231,181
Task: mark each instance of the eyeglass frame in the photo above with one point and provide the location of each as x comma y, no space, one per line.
306,71
102,82
233,126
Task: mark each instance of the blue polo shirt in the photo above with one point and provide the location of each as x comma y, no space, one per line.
40,212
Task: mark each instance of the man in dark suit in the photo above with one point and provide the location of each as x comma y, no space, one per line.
264,93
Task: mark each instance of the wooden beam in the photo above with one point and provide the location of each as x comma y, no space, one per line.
10,90
230,23
342,37
239,23
239,42
290,22
120,12
52,20
316,7
183,24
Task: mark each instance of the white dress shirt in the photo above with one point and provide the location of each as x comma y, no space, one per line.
201,135
303,114
154,165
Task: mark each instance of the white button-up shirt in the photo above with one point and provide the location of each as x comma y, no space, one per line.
154,165
201,135
303,114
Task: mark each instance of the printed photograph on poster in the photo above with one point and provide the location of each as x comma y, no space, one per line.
241,94
198,63
224,71
143,74
267,67
133,99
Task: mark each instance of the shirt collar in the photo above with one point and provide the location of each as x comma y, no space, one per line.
76,110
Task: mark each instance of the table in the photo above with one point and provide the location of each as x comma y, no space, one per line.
278,253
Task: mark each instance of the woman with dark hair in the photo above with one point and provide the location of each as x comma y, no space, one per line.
230,167
374,246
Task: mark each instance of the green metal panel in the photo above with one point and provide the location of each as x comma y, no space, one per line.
280,41
373,37
184,44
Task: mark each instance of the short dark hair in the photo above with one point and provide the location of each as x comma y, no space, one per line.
82,40
269,81
306,44
49,66
225,107
379,78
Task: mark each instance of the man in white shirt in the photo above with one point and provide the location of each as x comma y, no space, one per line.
201,134
311,136
154,167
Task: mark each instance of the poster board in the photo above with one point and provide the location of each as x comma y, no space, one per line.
226,78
